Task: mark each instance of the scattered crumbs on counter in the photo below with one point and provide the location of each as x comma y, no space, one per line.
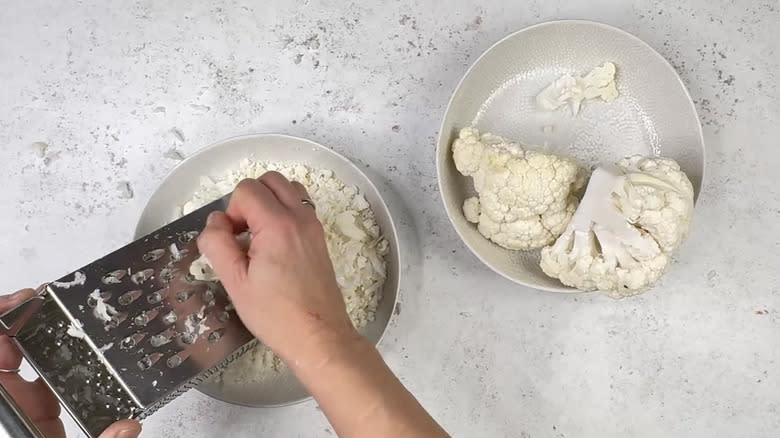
40,148
50,157
173,154
178,134
125,191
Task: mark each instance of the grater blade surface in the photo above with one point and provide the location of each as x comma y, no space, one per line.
129,332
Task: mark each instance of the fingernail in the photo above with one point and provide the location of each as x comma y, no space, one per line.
211,217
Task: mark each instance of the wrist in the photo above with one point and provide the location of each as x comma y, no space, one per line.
328,346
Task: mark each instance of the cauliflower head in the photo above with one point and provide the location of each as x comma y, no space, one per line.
633,215
525,197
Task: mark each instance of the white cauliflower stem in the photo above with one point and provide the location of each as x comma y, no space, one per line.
633,215
525,197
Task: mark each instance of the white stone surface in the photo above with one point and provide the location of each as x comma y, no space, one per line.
116,88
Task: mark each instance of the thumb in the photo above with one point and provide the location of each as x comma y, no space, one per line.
218,243
122,429
8,302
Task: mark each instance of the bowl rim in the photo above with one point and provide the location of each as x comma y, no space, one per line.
440,145
393,234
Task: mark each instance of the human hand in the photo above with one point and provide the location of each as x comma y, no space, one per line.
35,398
284,287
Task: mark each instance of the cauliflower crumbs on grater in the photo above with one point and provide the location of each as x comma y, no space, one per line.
355,244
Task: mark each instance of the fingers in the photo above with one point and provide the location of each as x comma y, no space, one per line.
253,204
51,428
285,191
122,429
10,301
10,356
218,243
301,190
35,398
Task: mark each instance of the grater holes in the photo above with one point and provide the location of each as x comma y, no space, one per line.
189,338
157,296
223,316
149,360
170,318
183,295
94,298
116,320
188,237
132,340
114,277
153,255
216,335
141,276
168,274
128,297
176,360
146,316
162,338
178,254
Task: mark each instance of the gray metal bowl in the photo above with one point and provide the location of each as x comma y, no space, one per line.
654,115
215,160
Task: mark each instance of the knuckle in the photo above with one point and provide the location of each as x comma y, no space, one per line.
273,176
205,237
244,187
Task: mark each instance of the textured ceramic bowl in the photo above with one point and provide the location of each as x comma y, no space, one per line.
178,187
654,115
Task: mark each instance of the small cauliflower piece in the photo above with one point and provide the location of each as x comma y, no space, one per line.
572,91
471,209
525,197
201,268
620,239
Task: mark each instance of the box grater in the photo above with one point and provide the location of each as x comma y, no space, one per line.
126,334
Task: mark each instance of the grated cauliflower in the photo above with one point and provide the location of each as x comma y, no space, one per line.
633,215
571,91
355,245
526,197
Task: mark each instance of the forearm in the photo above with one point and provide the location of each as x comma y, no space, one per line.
361,396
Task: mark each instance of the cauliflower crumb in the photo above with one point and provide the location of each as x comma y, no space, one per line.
471,209
353,237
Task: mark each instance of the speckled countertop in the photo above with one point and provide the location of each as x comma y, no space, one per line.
119,93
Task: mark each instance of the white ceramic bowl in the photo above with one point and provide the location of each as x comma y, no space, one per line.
654,115
215,160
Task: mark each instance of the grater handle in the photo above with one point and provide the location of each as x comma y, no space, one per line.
13,421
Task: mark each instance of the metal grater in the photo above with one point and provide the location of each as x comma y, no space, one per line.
126,334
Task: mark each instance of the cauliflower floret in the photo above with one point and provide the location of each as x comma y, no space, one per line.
633,215
525,197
